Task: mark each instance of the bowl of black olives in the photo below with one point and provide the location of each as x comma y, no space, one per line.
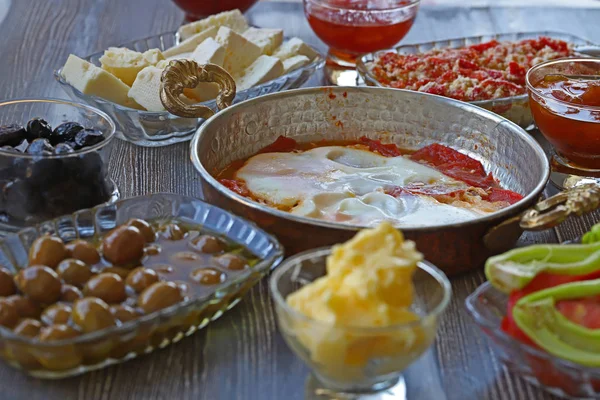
53,156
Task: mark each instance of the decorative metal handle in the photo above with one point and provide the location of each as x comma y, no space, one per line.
544,215
182,74
554,210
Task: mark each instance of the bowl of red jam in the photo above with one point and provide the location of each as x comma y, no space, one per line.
564,96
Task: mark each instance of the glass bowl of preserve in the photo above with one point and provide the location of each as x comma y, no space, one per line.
349,361
564,96
351,28
38,183
183,219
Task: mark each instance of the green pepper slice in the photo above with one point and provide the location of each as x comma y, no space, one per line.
514,269
536,315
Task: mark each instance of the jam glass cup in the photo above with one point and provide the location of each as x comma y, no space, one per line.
573,129
354,27
356,362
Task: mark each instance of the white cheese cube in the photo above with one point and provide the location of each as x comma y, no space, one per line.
146,89
126,63
267,39
203,92
293,63
233,19
209,52
192,42
181,56
239,51
92,80
262,70
294,47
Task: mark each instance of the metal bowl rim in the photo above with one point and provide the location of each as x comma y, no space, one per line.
505,213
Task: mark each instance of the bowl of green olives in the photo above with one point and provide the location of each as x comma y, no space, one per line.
53,156
107,284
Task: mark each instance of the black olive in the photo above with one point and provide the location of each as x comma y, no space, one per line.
38,128
40,147
44,172
22,200
88,137
65,133
11,135
63,148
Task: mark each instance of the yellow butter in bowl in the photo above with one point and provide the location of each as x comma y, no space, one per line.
361,317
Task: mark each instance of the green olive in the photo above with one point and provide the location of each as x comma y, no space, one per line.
48,251
83,251
74,272
158,296
7,283
56,314
106,286
123,245
145,229
39,283
140,278
92,314
28,327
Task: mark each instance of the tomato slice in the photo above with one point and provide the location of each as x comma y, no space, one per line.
386,150
584,312
281,145
236,186
498,194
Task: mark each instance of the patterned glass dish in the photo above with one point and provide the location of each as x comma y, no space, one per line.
487,306
155,129
515,108
59,359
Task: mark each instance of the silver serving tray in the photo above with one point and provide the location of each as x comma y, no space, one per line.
515,108
155,129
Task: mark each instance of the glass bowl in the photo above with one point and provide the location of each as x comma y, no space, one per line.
515,108
572,129
36,188
357,359
197,9
155,129
156,330
488,306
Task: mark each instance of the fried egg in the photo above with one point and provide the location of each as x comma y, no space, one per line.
346,184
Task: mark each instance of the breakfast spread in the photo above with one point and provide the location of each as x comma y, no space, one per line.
367,182
83,286
484,71
42,168
132,79
367,284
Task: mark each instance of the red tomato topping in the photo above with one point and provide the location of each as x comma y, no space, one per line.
386,150
455,164
236,186
498,194
281,145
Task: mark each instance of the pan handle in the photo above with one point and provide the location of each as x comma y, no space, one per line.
182,74
545,214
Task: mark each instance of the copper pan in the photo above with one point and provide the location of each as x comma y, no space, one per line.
408,119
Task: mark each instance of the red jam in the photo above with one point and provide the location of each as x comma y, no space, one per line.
573,130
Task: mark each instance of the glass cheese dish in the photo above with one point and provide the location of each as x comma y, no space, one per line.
514,108
203,298
155,129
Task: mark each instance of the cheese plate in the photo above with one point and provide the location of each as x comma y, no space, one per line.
160,128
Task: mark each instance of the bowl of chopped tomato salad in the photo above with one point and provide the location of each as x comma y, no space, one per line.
488,71
541,307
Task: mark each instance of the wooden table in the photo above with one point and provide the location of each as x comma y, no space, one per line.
242,355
